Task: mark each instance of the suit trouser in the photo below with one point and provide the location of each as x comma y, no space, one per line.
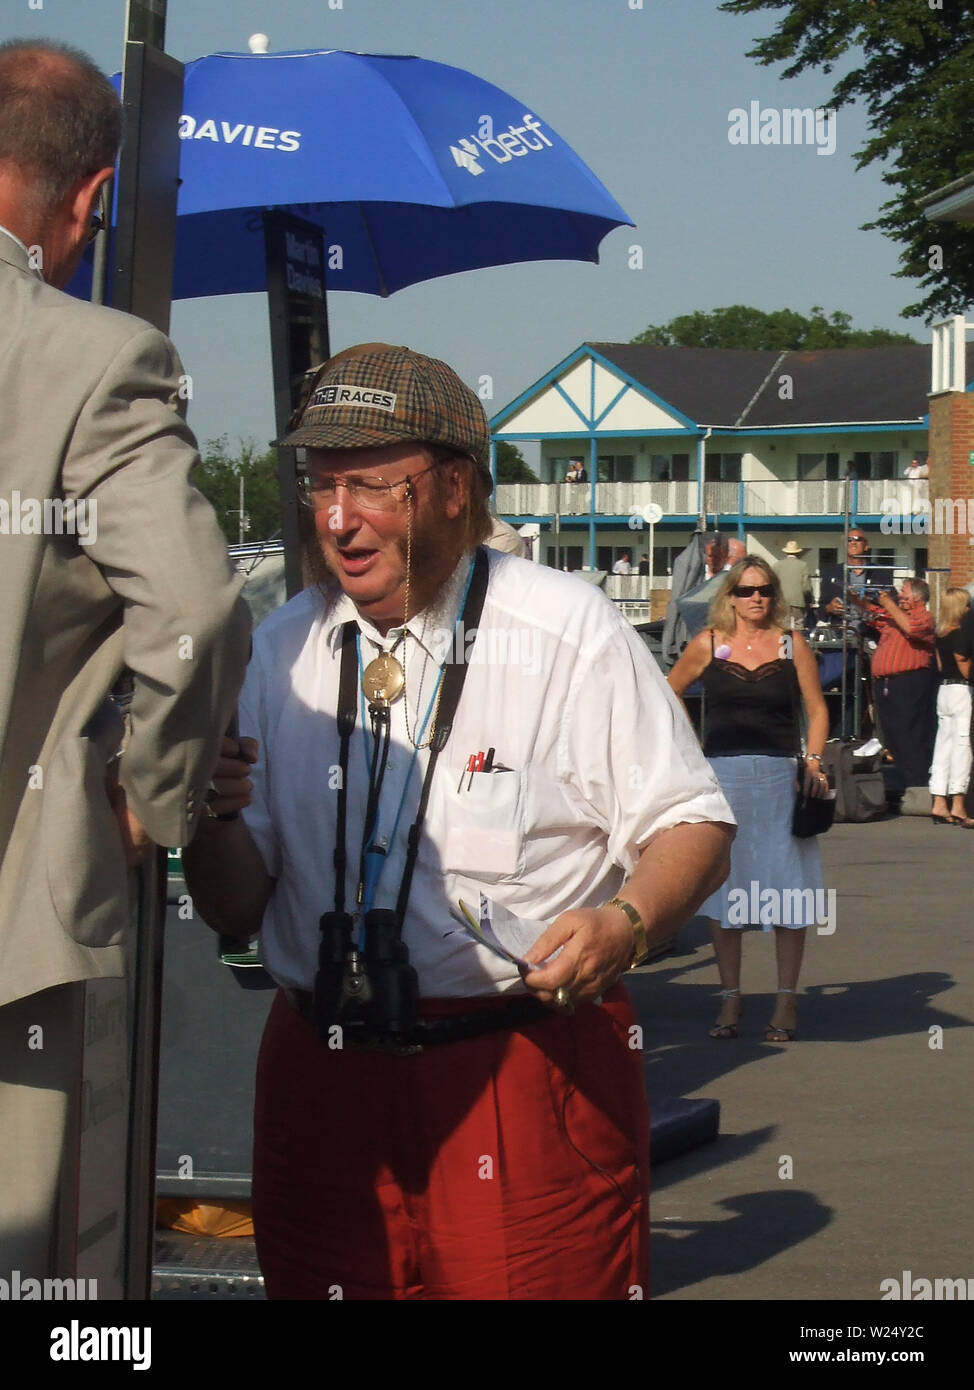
907,717
41,1059
514,1165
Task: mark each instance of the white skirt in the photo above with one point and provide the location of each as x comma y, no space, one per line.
775,879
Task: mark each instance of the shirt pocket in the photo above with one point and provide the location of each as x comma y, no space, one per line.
485,826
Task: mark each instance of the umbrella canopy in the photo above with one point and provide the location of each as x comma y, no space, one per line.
413,168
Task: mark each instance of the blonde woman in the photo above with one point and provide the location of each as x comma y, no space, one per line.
756,677
950,770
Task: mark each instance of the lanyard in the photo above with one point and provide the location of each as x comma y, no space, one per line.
452,675
372,860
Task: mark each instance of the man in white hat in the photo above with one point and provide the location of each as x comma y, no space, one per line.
795,584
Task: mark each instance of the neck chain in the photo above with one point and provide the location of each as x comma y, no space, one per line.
384,679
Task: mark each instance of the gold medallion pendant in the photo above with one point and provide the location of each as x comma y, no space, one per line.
383,680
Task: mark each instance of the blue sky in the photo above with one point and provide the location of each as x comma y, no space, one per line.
644,97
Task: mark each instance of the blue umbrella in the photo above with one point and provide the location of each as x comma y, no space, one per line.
414,169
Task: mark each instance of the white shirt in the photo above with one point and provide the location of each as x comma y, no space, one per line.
622,567
599,755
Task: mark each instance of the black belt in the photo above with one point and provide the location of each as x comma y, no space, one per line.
952,681
433,1032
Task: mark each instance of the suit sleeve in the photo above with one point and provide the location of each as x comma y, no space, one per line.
156,539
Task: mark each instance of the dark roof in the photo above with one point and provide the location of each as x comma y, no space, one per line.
740,386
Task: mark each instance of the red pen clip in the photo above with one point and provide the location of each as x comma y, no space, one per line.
475,763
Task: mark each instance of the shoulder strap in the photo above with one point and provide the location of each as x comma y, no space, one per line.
346,726
711,643
796,704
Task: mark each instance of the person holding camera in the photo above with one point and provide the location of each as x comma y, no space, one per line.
904,677
431,723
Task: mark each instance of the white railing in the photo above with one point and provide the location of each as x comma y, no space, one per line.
611,499
768,497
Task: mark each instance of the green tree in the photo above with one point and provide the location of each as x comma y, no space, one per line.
511,467
913,69
740,326
218,478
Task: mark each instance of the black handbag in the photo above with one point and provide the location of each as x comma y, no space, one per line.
813,815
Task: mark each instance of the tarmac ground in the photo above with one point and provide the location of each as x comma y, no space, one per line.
844,1157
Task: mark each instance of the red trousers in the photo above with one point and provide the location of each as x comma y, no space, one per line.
511,1166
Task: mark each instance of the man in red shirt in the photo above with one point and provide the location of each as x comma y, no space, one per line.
904,678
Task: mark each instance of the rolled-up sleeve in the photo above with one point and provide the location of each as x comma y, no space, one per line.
629,752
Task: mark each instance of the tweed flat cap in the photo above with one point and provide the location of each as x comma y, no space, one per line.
375,394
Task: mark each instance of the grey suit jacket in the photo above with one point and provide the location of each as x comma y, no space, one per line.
136,577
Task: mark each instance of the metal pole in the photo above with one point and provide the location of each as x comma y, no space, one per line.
652,545
240,523
148,177
845,615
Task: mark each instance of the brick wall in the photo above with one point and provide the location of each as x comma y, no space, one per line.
951,475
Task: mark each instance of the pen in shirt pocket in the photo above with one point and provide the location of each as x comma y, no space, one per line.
479,762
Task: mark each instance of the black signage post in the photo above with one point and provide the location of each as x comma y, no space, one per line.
298,313
148,184
115,1192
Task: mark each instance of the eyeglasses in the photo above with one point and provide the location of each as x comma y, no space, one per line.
857,539
373,494
747,590
97,225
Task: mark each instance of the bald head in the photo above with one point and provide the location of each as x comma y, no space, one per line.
60,129
60,120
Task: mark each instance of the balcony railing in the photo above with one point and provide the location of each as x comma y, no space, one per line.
769,497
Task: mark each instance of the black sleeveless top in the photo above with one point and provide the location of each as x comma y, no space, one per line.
956,643
750,712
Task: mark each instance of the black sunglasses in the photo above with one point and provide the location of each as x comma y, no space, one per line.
746,590
857,538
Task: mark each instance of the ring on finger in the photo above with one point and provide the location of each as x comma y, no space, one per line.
563,1000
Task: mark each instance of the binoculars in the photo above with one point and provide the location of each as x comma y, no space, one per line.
373,993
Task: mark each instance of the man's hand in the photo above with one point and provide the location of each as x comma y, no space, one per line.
598,946
231,779
835,606
135,838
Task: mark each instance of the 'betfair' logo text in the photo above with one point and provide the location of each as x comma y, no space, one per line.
512,143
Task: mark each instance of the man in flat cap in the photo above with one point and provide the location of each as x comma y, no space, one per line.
435,722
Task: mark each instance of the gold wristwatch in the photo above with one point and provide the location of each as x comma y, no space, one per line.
640,946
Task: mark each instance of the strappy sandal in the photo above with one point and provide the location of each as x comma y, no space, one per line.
774,1033
726,1031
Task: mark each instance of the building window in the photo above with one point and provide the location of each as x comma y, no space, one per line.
920,559
827,555
878,464
663,557
616,468
818,468
571,557
722,468
669,468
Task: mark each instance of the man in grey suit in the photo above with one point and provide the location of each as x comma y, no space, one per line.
109,558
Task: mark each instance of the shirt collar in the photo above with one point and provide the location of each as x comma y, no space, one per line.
439,616
26,258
